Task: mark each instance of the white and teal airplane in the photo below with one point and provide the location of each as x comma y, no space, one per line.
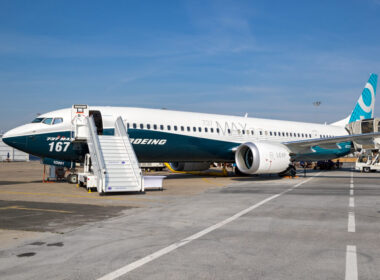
190,139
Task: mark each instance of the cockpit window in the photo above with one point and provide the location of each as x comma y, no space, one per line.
47,121
58,120
37,120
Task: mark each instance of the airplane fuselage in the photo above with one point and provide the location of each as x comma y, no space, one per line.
165,135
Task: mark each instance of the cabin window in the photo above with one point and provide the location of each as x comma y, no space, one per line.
194,129
141,126
212,130
309,135
261,133
302,135
182,128
155,127
37,120
169,127
229,131
188,128
206,130
175,128
57,120
134,125
199,129
127,124
48,121
161,126
148,126
299,135
243,131
218,130
270,133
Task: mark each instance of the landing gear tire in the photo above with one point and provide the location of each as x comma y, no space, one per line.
366,169
290,171
239,173
72,179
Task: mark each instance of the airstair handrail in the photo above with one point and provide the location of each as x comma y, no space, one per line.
121,131
96,154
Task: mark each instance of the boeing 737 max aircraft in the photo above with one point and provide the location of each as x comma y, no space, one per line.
256,145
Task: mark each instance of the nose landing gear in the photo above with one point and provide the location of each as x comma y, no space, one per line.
72,178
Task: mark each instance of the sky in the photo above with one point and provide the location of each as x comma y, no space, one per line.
270,59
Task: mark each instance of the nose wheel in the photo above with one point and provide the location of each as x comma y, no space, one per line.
72,178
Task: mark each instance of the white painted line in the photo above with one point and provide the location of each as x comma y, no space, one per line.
351,222
352,202
132,266
351,263
351,186
351,192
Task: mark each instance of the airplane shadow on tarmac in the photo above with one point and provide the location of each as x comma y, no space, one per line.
3,183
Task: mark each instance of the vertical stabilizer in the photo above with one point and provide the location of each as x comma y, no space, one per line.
365,107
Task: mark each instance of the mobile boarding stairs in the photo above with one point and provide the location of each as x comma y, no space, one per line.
111,165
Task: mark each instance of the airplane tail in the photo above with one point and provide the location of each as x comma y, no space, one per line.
365,107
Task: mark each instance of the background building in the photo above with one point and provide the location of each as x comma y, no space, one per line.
14,154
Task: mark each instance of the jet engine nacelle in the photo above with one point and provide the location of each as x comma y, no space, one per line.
189,166
261,158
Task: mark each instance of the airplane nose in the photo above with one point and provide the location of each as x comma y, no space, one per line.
16,141
5,138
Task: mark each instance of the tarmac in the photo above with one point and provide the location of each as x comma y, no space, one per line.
322,226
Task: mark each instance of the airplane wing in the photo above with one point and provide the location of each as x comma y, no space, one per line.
304,146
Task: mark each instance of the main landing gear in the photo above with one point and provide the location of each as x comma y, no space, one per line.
239,173
290,171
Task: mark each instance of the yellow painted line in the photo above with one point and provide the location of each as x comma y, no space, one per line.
34,209
75,196
223,173
211,182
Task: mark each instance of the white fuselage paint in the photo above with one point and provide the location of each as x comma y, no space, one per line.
231,128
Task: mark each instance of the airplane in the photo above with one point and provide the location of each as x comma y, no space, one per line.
191,141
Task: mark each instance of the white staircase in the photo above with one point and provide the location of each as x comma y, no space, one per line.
114,161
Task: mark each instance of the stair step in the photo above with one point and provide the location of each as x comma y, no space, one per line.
117,161
116,156
117,188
